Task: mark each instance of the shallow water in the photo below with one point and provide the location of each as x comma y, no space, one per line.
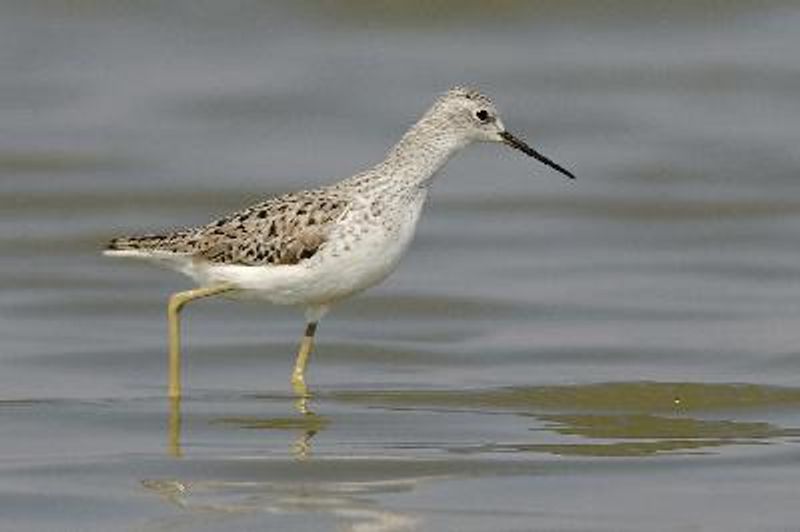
614,353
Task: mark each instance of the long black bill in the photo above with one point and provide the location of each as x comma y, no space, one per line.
514,142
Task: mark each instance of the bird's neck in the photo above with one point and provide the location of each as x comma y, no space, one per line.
412,163
421,153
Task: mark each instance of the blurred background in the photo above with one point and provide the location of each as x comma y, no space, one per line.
647,311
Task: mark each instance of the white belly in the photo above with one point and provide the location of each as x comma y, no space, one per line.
358,255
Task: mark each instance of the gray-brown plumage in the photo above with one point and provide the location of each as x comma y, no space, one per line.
282,230
293,227
336,241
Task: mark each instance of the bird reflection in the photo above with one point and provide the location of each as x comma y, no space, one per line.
354,504
307,423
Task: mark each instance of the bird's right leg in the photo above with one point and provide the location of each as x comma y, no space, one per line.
303,354
176,303
314,313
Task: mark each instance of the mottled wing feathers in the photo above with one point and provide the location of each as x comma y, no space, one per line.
282,230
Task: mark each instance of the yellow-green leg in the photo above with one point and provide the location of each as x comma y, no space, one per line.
174,428
176,303
303,354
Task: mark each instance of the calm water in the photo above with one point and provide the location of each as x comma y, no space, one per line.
616,353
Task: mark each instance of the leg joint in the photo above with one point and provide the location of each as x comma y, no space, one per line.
177,302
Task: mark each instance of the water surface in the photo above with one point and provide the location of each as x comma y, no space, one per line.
615,353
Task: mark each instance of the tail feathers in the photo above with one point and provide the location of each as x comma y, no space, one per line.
164,250
180,243
138,243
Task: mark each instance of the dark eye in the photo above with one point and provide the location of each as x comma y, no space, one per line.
482,115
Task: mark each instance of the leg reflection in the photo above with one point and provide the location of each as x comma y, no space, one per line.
301,448
308,423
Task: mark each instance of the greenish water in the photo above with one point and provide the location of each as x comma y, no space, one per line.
618,353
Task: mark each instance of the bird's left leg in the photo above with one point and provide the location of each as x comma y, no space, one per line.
176,304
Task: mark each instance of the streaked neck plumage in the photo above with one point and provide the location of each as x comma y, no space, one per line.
415,159
422,151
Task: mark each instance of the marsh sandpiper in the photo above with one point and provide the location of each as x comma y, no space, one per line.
317,247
